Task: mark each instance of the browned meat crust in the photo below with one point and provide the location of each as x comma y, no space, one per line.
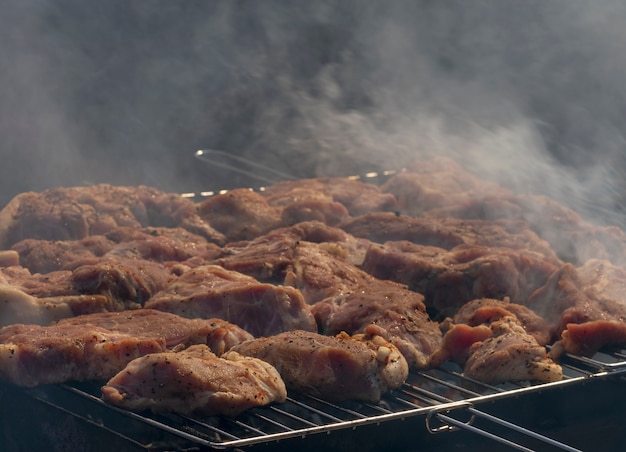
447,237
97,346
331,367
510,354
488,310
212,291
78,212
437,182
449,279
357,197
447,233
240,214
195,381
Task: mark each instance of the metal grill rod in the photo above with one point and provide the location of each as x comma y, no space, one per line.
523,430
481,432
429,393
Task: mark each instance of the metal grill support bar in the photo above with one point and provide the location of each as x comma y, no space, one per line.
449,424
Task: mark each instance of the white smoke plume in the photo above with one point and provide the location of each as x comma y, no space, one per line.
529,94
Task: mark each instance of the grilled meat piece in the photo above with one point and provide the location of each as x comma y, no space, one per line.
19,307
155,244
328,212
320,267
77,212
240,214
510,354
266,258
335,368
320,272
440,188
475,322
437,182
111,284
212,291
585,339
271,256
44,256
127,282
97,346
449,279
381,227
591,294
457,342
195,381
488,310
357,197
385,309
42,299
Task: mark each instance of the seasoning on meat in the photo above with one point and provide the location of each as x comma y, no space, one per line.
510,354
488,310
195,381
341,367
97,346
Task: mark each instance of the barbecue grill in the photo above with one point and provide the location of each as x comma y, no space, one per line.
434,409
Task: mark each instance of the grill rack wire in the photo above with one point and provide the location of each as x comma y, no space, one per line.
443,397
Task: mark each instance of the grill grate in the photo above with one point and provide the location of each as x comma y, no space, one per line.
443,396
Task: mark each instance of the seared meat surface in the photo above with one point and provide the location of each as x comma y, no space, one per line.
240,214
154,244
77,212
44,298
385,309
449,279
488,310
212,291
195,381
331,367
357,197
510,354
381,227
437,182
107,284
97,346
585,306
127,282
434,250
44,256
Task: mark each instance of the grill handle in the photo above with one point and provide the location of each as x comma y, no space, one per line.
448,424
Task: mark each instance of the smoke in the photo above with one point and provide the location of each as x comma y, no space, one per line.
528,94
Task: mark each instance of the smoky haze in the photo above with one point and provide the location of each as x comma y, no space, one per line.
530,94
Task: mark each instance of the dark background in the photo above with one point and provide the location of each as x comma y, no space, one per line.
527,93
